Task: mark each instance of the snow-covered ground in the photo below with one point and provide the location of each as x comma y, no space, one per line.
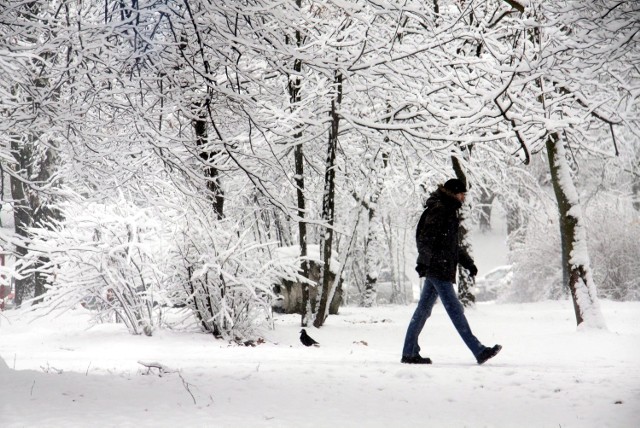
59,373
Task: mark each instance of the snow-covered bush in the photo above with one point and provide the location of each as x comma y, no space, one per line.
108,258
613,228
225,277
129,263
537,264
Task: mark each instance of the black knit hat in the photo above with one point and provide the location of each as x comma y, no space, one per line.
455,186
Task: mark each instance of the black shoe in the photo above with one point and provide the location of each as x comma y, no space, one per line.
488,353
415,360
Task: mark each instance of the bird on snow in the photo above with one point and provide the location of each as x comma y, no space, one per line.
306,339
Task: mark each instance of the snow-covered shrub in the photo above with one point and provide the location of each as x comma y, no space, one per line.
108,258
126,262
225,277
614,245
613,228
537,264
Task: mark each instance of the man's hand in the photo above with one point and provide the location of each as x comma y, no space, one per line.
422,270
473,270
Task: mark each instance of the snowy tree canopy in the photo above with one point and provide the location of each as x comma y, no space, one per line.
171,145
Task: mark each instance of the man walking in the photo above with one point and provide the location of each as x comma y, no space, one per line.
439,253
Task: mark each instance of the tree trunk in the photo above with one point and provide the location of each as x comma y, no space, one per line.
43,212
22,219
294,99
34,163
464,279
516,226
397,285
371,256
36,160
636,194
328,206
210,172
302,233
485,203
372,245
30,209
580,281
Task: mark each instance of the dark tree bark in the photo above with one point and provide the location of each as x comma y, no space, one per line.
465,281
211,172
22,218
32,208
35,160
635,184
371,258
43,212
298,153
328,205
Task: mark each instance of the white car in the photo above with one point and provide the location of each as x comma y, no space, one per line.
488,286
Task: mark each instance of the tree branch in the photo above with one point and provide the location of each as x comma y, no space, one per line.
516,5
593,113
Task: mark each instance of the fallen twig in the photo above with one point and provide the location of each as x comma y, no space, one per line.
162,369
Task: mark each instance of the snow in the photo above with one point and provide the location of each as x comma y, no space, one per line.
489,249
292,253
59,373
55,371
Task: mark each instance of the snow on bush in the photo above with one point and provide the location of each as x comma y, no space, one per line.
108,258
537,265
613,228
226,278
129,263
614,245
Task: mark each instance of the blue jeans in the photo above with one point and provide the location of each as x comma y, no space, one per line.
432,288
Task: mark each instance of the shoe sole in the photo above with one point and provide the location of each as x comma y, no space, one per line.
425,361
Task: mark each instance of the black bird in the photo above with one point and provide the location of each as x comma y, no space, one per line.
306,339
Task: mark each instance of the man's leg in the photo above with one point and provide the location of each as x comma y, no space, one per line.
456,312
428,297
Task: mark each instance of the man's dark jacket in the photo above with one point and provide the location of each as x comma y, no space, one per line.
437,238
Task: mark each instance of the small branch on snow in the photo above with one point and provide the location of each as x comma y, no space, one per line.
50,369
162,369
186,386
